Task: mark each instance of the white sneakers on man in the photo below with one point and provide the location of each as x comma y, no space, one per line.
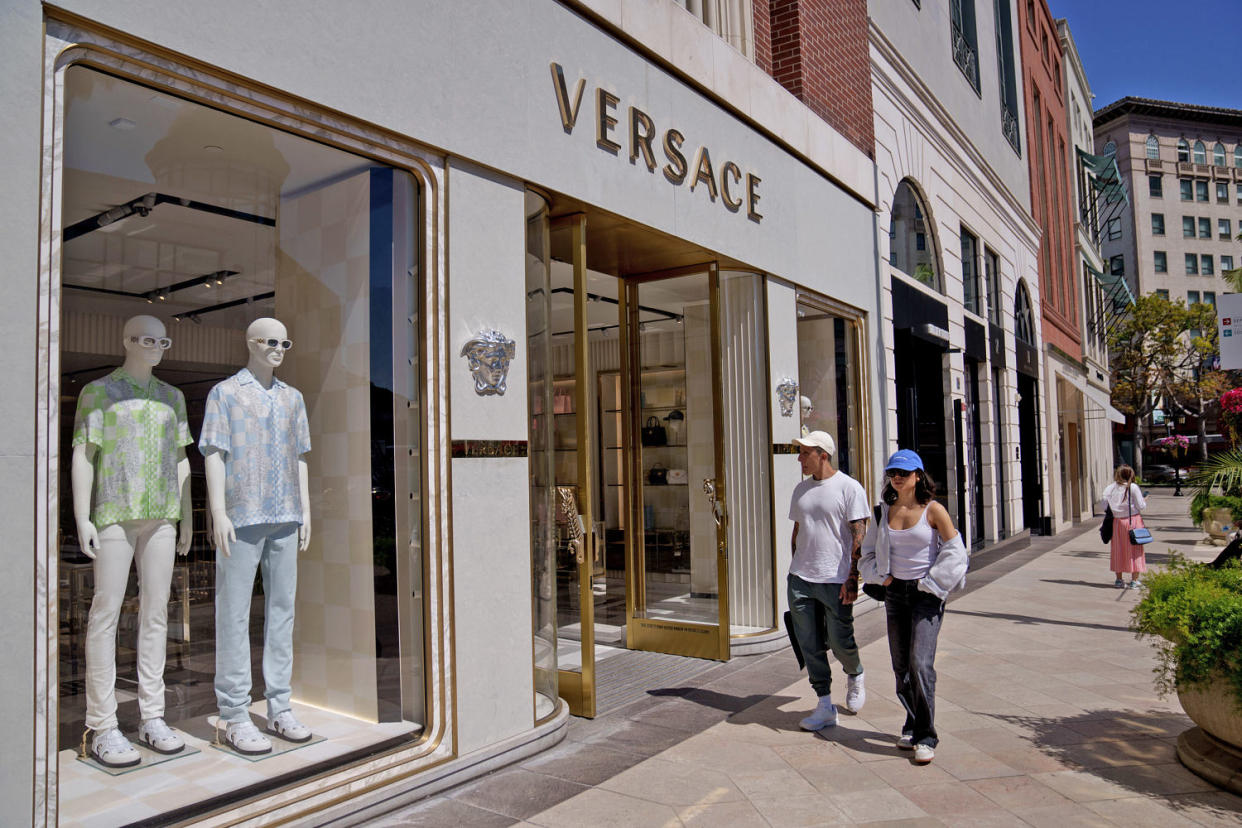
285,725
855,693
923,754
158,736
111,749
245,738
824,715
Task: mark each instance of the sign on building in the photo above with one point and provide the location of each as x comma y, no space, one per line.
1229,322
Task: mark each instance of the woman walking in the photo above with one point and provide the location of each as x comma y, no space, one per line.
1126,500
914,551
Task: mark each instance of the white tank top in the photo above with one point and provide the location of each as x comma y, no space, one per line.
910,550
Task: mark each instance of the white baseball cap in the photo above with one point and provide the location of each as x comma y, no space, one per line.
819,440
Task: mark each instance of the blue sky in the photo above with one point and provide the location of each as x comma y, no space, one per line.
1173,51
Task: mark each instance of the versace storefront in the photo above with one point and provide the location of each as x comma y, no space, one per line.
370,407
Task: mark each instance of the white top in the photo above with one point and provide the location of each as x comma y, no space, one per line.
1116,498
823,510
910,550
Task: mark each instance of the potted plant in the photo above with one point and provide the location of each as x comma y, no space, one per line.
1194,612
1217,500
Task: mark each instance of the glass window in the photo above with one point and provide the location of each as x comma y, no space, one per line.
1155,186
962,34
1157,224
1200,153
1188,189
1114,229
1237,155
991,272
1192,297
1023,317
1183,150
1226,263
1218,154
1188,227
1110,148
908,233
1201,190
1205,265
970,272
1192,264
1222,191
829,379
1209,297
1239,192
260,223
1153,147
1008,77
1117,265
1205,228
1162,293
1161,261
1224,229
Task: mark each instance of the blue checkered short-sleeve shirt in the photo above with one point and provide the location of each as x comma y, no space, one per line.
261,432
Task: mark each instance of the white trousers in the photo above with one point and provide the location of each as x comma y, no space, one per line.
153,543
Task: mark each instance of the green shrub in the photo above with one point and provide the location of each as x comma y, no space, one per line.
1196,612
1204,500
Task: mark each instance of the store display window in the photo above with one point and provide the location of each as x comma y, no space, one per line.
238,340
829,380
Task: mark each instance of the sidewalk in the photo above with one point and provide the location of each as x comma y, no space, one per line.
1045,708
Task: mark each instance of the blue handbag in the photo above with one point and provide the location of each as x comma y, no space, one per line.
1141,535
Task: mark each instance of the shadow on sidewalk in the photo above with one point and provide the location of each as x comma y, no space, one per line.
1094,584
1135,751
1031,619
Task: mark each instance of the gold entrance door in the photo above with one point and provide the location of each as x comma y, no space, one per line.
677,569
575,473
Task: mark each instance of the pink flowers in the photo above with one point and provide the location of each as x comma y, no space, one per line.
1231,401
1174,443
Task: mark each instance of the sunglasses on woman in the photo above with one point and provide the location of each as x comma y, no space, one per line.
899,473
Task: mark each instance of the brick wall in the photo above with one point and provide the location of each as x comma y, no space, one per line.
819,53
762,13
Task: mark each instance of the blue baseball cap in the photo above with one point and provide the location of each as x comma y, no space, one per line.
905,460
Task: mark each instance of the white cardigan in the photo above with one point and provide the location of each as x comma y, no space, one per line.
950,559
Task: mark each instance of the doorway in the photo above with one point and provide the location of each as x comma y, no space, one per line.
638,456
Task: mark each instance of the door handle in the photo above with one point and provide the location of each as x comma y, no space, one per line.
718,510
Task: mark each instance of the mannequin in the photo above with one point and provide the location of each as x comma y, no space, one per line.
255,433
130,481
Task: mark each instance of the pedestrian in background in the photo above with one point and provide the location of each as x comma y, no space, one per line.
829,511
1126,501
914,551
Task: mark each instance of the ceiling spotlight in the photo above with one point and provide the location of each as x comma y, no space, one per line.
124,124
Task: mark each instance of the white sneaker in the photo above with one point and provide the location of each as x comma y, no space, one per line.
111,749
285,725
855,694
245,738
824,715
923,754
905,741
158,736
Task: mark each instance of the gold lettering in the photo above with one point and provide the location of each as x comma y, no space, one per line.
730,170
703,172
675,169
605,102
640,142
752,197
569,112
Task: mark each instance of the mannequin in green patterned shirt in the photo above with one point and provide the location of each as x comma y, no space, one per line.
130,479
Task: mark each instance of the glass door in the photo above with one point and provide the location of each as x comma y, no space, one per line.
675,489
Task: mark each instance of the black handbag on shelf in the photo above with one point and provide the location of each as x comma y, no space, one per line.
657,475
1106,527
653,433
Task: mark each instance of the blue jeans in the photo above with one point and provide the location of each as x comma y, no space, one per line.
273,548
914,620
821,621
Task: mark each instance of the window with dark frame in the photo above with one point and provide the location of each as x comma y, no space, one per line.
1160,261
964,43
1157,224
1192,264
1155,186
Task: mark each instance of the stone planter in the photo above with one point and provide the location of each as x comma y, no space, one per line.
1213,750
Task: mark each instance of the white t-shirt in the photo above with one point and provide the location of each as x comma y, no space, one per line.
1124,502
823,510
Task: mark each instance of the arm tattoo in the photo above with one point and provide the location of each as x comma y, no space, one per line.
858,528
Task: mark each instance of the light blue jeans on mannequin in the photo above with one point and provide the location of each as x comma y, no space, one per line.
273,549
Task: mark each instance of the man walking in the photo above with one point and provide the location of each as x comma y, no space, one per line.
829,510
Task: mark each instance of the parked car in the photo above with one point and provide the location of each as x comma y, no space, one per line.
1157,473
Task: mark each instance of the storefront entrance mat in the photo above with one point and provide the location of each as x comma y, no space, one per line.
149,759
279,747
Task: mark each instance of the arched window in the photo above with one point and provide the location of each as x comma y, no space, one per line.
1200,153
1023,319
1218,154
1183,151
1237,156
1153,147
911,240
1110,148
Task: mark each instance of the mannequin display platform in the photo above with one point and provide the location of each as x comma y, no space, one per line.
255,432
130,480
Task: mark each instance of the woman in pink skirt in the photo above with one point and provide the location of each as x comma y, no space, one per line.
1125,498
